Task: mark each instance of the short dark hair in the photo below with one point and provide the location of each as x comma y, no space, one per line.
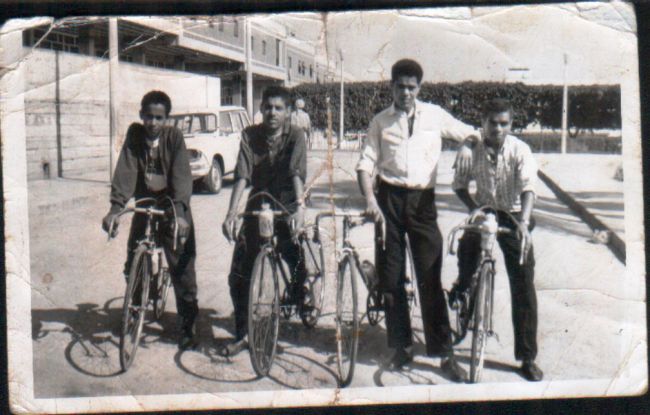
156,97
496,106
275,91
406,67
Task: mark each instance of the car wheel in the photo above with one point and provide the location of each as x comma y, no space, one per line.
214,179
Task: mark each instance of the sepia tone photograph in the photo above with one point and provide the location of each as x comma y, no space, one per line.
307,209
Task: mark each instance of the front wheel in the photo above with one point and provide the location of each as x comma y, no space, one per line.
263,312
347,319
135,306
480,329
214,179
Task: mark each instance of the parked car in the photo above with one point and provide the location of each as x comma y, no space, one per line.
212,139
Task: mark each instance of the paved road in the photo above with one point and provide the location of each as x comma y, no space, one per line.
587,307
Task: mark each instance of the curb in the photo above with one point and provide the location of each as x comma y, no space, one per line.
615,243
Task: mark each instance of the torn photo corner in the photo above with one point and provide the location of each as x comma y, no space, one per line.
319,118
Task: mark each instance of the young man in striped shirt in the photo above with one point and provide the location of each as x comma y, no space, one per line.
504,170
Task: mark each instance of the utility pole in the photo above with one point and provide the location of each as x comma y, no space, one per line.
249,68
565,105
342,109
113,68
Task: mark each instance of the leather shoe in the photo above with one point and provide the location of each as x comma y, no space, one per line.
400,358
531,371
233,348
188,341
451,367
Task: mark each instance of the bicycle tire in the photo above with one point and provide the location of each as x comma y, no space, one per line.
347,319
411,284
133,315
316,284
162,288
263,312
482,309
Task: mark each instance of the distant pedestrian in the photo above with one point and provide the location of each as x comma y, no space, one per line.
301,119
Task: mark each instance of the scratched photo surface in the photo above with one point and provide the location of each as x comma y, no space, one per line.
72,87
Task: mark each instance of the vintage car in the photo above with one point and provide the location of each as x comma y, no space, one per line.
212,137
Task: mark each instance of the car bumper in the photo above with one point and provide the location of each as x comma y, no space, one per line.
199,167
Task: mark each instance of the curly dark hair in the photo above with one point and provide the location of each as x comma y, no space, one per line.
156,97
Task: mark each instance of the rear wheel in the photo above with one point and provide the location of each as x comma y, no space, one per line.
482,309
411,284
135,306
347,319
263,312
314,283
164,281
214,179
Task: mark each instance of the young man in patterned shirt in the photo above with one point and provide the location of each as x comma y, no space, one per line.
504,170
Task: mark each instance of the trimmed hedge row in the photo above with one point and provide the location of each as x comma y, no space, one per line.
590,107
545,143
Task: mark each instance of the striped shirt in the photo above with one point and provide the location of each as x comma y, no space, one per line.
500,178
407,155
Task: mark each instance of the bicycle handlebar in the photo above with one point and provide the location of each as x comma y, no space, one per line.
149,210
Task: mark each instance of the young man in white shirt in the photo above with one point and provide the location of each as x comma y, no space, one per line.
505,172
403,147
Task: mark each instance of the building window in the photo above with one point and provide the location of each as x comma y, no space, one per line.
264,47
311,71
289,59
252,43
220,24
277,52
56,40
236,28
226,95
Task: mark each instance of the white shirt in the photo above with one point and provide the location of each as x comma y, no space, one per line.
409,161
501,176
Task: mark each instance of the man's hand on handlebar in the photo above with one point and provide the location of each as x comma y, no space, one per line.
111,219
297,222
228,227
183,230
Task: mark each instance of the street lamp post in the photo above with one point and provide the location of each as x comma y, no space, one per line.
565,105
342,110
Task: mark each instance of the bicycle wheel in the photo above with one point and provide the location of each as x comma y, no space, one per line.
411,284
482,308
314,284
347,319
135,305
263,312
164,281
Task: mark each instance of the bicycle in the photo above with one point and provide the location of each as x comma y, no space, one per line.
374,303
474,310
269,271
148,272
347,317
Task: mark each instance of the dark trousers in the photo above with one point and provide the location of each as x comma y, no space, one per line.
243,259
180,261
521,278
412,213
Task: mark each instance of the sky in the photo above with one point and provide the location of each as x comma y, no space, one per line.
481,43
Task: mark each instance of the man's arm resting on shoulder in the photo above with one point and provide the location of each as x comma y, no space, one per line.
467,199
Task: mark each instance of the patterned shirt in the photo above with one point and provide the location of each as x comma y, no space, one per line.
501,176
408,157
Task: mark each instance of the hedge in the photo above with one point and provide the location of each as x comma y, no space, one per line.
590,107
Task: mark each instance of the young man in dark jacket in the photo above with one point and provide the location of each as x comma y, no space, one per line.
154,163
272,158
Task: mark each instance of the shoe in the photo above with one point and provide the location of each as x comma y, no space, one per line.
188,341
455,296
233,348
400,358
531,371
451,367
